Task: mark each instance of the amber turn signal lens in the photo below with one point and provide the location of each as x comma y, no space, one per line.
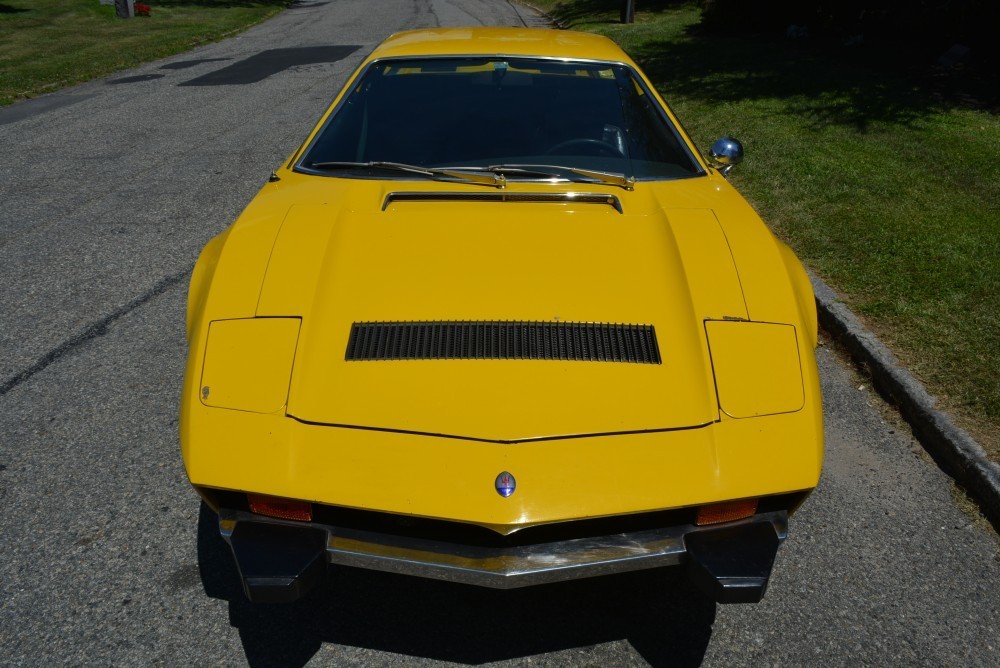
726,512
285,509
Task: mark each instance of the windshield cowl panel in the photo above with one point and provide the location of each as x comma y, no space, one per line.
489,120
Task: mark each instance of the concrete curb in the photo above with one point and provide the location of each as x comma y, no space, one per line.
952,448
545,15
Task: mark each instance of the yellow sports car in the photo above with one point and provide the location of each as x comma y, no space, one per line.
498,322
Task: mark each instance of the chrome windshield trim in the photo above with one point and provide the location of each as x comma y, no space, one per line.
506,196
511,567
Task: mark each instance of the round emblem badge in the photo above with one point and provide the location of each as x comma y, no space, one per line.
505,484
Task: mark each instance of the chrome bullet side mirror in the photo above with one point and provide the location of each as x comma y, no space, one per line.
725,154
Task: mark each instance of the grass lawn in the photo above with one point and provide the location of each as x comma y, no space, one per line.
50,44
886,188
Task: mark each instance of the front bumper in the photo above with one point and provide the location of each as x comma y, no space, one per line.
280,561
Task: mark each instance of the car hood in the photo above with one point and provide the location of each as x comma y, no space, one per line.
335,265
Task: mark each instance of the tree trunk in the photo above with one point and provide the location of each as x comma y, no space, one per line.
628,11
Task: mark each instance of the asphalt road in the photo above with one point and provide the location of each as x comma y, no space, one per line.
108,191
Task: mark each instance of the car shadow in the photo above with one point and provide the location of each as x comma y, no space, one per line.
658,612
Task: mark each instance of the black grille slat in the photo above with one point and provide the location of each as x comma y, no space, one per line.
352,343
505,339
606,339
378,341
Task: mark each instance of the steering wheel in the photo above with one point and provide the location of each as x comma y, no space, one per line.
596,145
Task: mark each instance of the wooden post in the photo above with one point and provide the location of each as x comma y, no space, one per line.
628,11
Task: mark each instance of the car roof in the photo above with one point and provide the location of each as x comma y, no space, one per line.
541,42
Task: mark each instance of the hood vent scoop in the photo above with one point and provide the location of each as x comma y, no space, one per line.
508,340
557,197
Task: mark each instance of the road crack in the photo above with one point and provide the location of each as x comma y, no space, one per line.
94,330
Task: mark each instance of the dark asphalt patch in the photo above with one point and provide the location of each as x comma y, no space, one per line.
39,105
262,65
136,79
184,64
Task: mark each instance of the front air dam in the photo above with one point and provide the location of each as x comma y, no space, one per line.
733,564
278,563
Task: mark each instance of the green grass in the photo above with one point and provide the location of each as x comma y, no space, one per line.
877,177
50,44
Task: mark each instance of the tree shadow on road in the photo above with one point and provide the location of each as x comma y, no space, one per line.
658,612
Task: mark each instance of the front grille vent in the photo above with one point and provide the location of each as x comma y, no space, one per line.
509,340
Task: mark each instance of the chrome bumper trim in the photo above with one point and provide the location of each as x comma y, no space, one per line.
505,568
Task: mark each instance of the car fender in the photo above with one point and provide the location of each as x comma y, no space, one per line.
805,299
201,279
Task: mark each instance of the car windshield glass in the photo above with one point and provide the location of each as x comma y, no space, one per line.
490,112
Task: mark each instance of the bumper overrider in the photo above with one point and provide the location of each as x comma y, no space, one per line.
281,561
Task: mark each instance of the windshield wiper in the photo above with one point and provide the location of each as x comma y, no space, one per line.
517,170
591,176
496,180
555,172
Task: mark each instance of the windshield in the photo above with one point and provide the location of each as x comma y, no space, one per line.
490,112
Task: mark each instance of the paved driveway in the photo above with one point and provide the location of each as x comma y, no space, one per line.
108,191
